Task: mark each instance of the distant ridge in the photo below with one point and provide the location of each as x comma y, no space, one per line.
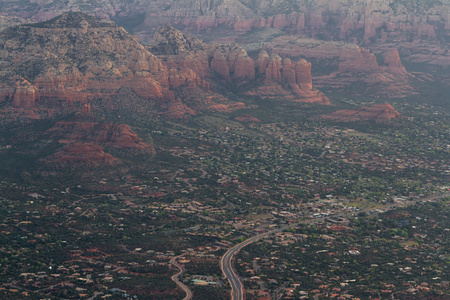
74,20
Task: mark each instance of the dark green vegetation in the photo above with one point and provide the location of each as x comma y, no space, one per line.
97,229
402,253
213,181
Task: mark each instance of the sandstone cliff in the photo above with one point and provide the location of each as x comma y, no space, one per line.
403,23
364,20
341,66
277,72
231,63
74,58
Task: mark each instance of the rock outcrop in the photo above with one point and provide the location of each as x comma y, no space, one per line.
24,94
379,113
410,24
246,118
85,143
297,76
81,154
104,134
341,66
74,58
231,63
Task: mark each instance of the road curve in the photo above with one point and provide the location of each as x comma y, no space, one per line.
188,292
226,264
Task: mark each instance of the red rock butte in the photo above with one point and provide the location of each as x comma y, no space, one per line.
81,154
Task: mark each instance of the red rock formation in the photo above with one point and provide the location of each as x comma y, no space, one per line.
184,77
220,65
262,62
104,134
179,110
379,113
231,62
182,51
81,154
227,107
297,76
349,64
376,18
86,109
76,57
303,75
392,60
273,69
24,94
361,61
360,22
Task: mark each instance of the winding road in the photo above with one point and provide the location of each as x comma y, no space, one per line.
188,292
226,264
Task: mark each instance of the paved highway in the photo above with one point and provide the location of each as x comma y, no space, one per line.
188,292
226,263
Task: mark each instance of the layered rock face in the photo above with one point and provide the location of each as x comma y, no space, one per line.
346,64
379,113
412,25
231,63
297,75
364,20
74,58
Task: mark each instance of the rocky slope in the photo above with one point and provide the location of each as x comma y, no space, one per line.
84,143
104,134
79,155
379,113
74,58
282,79
364,20
8,21
419,30
340,65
